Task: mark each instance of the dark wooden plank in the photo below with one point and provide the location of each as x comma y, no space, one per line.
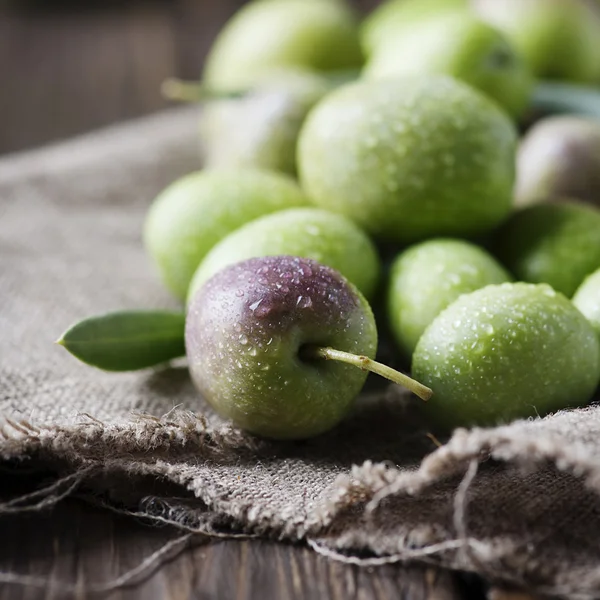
83,546
196,25
67,72
510,594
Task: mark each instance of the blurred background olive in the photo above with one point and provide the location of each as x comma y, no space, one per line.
559,39
559,157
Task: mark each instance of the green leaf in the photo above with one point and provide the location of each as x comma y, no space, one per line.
127,340
557,97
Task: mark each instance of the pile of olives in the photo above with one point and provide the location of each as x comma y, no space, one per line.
390,175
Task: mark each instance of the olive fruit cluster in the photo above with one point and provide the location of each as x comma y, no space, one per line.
404,185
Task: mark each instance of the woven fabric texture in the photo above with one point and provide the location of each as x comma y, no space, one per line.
516,504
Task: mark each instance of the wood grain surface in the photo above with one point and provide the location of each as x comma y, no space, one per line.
82,547
68,67
76,551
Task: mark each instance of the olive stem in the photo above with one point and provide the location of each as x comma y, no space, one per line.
179,90
192,91
367,364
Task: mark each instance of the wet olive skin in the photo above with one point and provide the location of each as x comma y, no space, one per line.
428,277
557,244
504,352
198,210
244,334
410,158
328,238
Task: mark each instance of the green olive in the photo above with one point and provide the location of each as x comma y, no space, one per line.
195,212
556,243
504,352
410,158
587,299
428,277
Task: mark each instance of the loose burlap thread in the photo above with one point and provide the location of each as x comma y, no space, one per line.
519,503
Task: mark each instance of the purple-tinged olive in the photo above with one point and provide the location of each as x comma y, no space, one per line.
273,344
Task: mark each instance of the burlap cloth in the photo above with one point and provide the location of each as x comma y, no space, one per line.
518,504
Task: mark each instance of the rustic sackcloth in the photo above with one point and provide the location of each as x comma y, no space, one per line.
519,503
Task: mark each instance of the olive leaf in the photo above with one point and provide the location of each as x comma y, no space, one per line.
127,340
557,97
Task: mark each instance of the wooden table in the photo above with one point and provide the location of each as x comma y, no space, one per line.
83,546
68,66
76,550
65,71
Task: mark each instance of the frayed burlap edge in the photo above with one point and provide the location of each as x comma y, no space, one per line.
83,448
